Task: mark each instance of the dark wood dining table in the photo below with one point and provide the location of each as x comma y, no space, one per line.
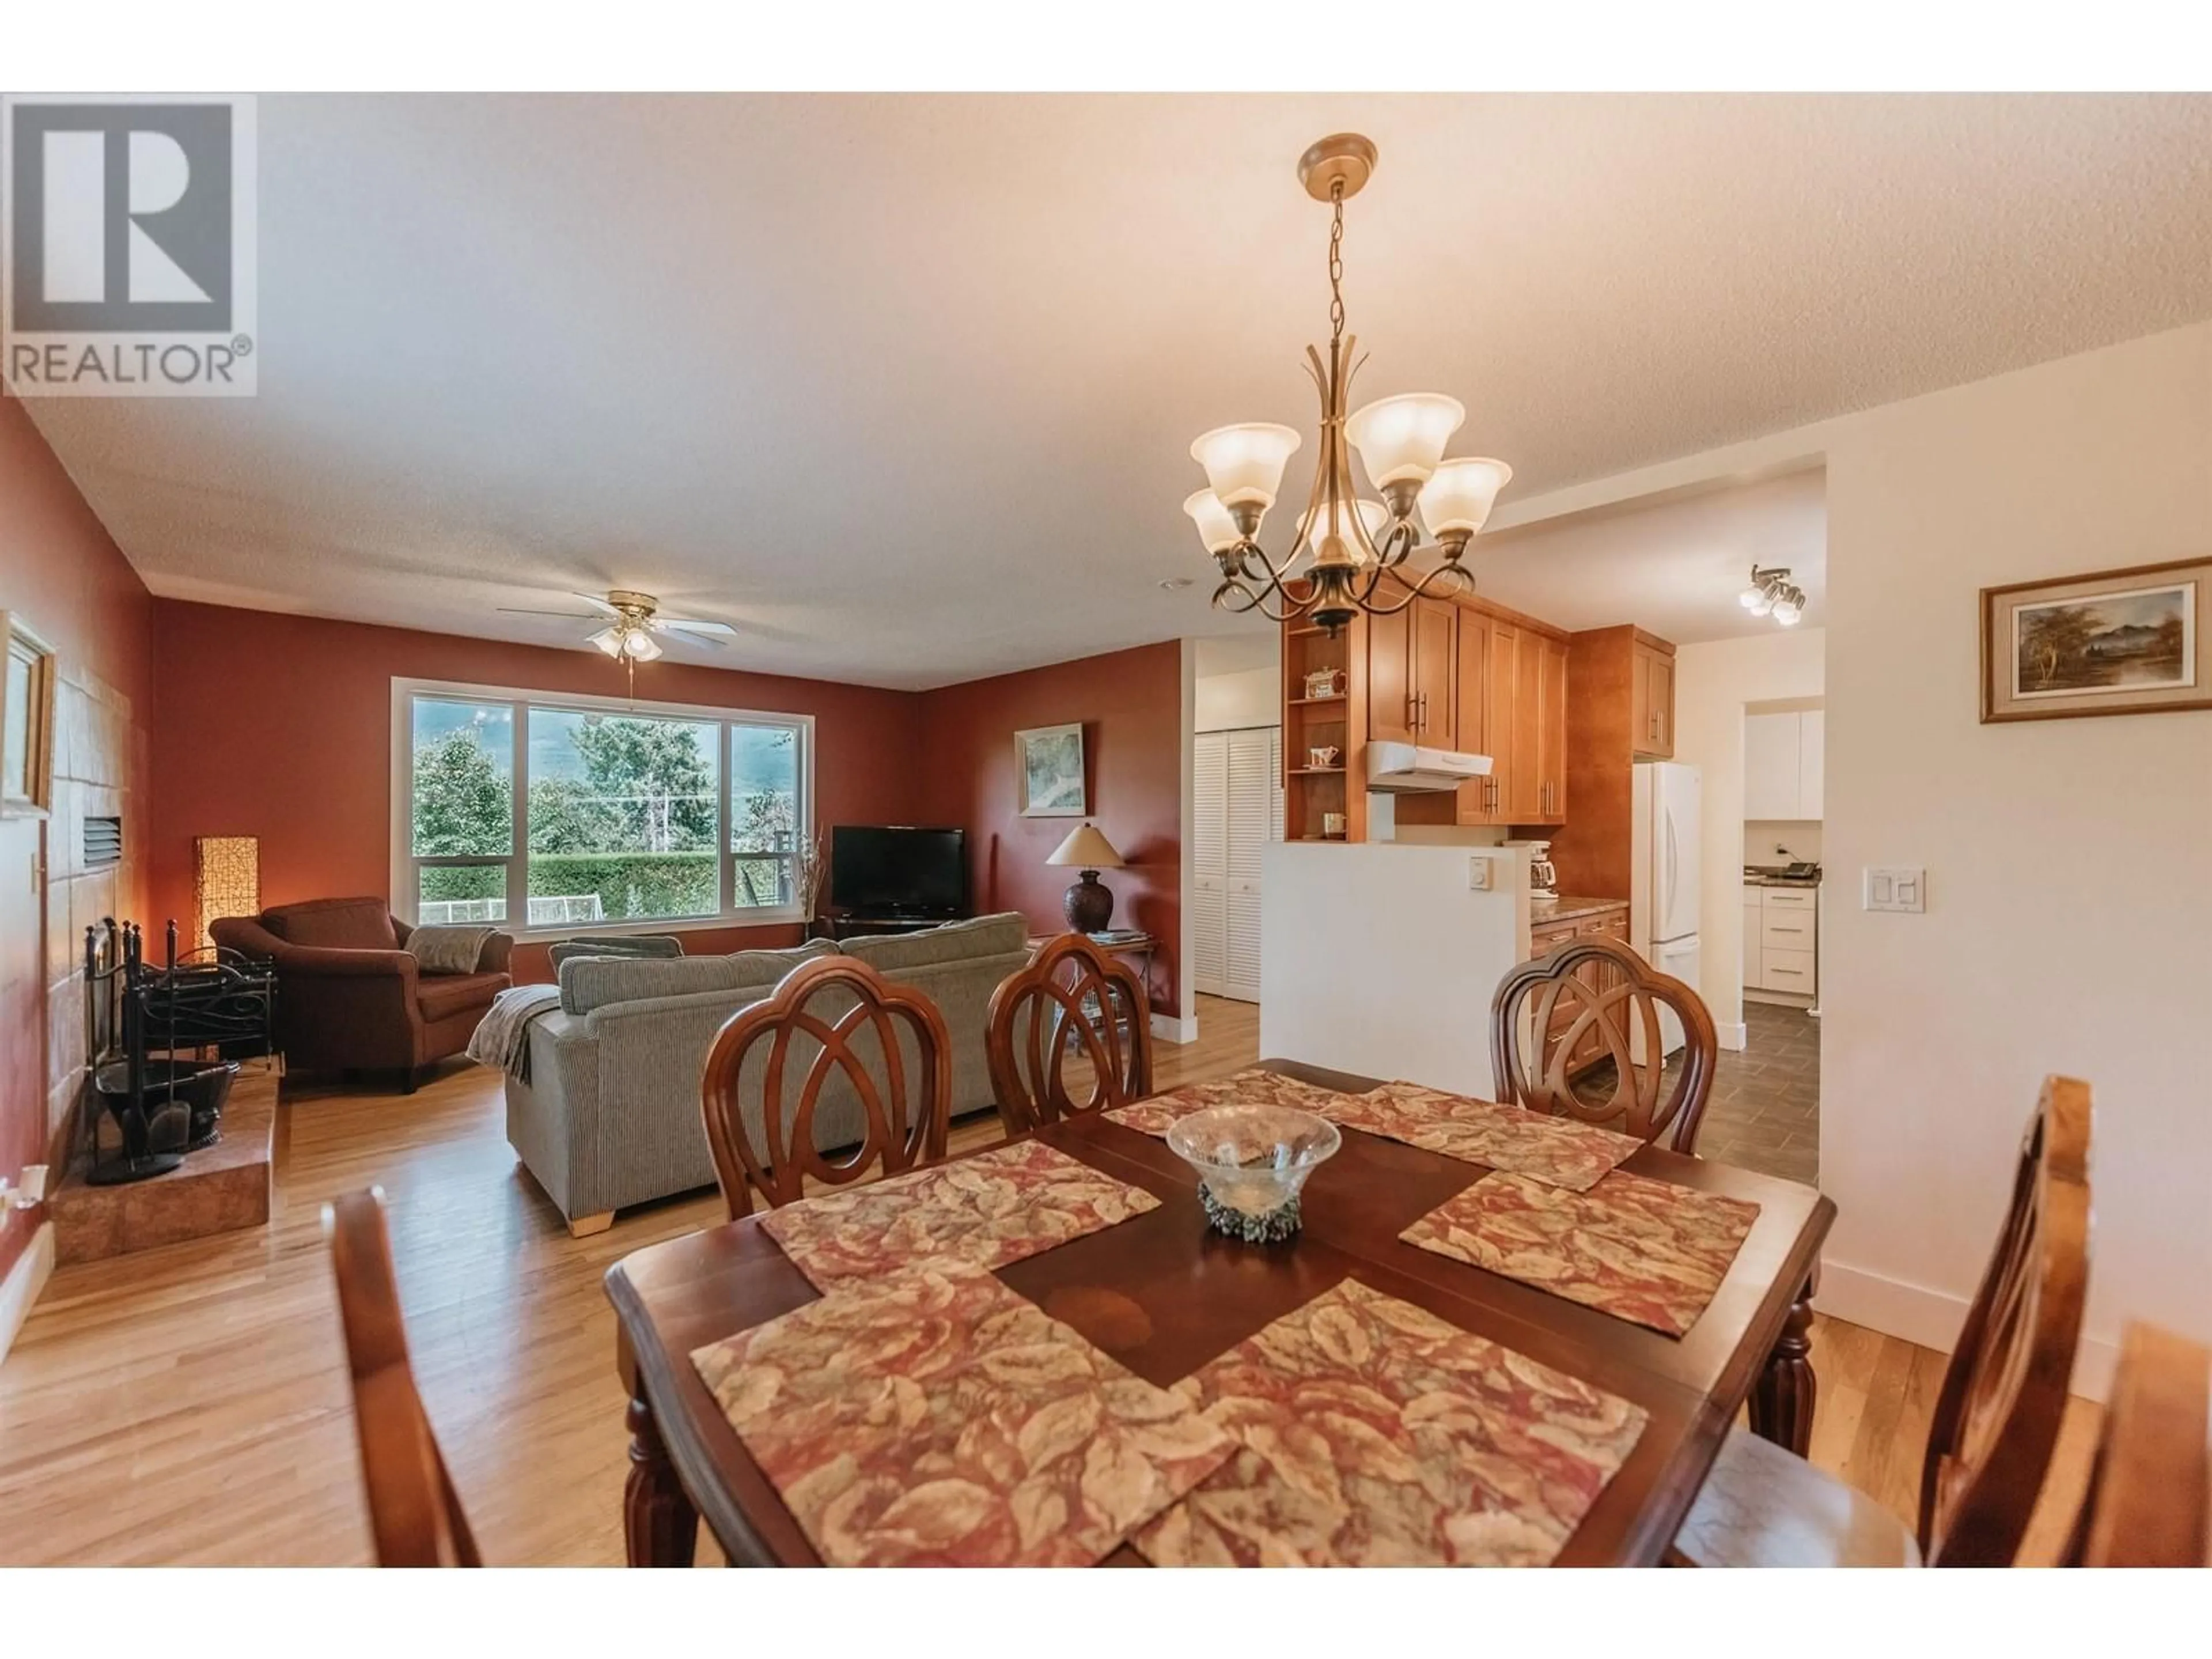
1163,1295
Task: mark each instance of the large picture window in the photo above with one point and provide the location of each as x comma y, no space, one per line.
578,812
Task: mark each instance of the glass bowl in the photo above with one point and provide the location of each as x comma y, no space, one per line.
1251,1161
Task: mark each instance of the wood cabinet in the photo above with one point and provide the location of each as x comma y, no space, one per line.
1783,761
1543,939
1509,703
1551,729
1651,699
1413,675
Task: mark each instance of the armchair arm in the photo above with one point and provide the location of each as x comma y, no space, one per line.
319,964
498,952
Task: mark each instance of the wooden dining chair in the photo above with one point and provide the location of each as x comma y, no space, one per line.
1555,1023
2148,1504
414,1512
806,1028
1073,998
1995,1420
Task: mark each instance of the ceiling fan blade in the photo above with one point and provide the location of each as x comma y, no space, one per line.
694,625
565,616
597,604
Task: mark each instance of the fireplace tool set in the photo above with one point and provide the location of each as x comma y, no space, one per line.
162,1045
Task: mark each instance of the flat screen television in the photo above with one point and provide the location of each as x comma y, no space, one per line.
886,869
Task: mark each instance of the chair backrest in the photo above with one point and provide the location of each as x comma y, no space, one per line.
339,924
1075,999
2147,1505
1588,1002
817,1011
414,1513
2004,1392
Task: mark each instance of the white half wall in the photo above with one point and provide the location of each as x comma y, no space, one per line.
1712,683
2068,920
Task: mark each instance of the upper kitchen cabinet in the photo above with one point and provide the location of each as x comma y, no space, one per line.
1651,697
1413,675
1511,703
1784,759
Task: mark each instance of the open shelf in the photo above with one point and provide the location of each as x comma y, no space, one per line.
1308,702
1316,771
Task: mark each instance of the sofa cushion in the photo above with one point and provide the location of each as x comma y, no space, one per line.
955,941
591,983
441,996
630,945
356,923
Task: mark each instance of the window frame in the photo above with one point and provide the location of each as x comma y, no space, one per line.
407,867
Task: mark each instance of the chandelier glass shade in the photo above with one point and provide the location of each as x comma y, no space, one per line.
1772,593
1400,441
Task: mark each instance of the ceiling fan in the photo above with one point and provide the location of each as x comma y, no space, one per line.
632,620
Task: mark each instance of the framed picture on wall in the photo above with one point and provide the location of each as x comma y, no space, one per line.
1049,771
2129,641
26,720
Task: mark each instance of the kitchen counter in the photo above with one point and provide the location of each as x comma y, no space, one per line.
1568,908
1776,879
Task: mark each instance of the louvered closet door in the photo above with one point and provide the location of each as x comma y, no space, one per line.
1252,777
1210,860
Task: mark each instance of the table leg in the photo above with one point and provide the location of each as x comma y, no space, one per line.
1781,1399
659,1526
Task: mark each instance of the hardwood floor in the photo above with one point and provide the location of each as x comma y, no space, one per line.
189,1404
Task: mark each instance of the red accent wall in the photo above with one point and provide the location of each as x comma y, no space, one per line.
280,727
60,572
1130,703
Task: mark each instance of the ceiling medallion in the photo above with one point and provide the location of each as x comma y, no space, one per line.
1400,442
1772,593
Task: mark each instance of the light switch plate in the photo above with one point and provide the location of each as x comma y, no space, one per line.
1894,887
1477,875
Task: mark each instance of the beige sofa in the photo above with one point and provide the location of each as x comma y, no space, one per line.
610,1116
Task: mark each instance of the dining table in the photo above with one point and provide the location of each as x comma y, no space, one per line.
1163,1295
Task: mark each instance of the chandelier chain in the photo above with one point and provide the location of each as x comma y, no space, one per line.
1336,265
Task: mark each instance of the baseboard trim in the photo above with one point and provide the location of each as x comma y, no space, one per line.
1734,1036
25,1281
1169,1028
1930,1317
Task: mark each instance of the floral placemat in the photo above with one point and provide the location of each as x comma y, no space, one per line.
981,1212
935,1418
1371,1432
1642,1250
1157,1114
1575,1156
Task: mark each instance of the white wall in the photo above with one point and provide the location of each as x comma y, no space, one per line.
1379,957
2069,925
1800,836
1252,696
1712,683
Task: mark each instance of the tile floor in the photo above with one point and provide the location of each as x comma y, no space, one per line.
1765,1110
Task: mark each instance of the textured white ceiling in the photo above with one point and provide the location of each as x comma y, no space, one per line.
903,386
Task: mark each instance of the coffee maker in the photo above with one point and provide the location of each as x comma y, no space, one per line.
1543,879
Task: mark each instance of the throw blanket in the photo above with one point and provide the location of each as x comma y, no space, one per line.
501,1038
451,948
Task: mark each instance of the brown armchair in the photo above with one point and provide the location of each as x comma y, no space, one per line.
348,995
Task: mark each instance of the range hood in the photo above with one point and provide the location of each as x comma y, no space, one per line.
1404,769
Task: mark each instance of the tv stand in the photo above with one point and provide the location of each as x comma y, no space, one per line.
853,927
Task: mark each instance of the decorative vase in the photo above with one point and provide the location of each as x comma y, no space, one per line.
1089,905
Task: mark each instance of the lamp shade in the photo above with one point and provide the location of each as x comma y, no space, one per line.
1215,527
1404,437
608,640
640,645
1245,464
1086,849
226,879
1373,515
1459,495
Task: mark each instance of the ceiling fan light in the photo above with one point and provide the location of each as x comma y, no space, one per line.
639,646
1459,495
1216,528
1402,438
1245,464
1373,515
610,639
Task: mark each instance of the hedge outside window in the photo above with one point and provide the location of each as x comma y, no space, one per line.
618,816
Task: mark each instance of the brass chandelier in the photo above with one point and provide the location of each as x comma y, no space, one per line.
1400,442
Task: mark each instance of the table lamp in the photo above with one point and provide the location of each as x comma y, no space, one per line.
1089,906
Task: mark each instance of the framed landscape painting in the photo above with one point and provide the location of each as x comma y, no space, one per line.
1048,767
2112,642
27,721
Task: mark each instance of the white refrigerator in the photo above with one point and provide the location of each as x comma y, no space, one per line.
1664,877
